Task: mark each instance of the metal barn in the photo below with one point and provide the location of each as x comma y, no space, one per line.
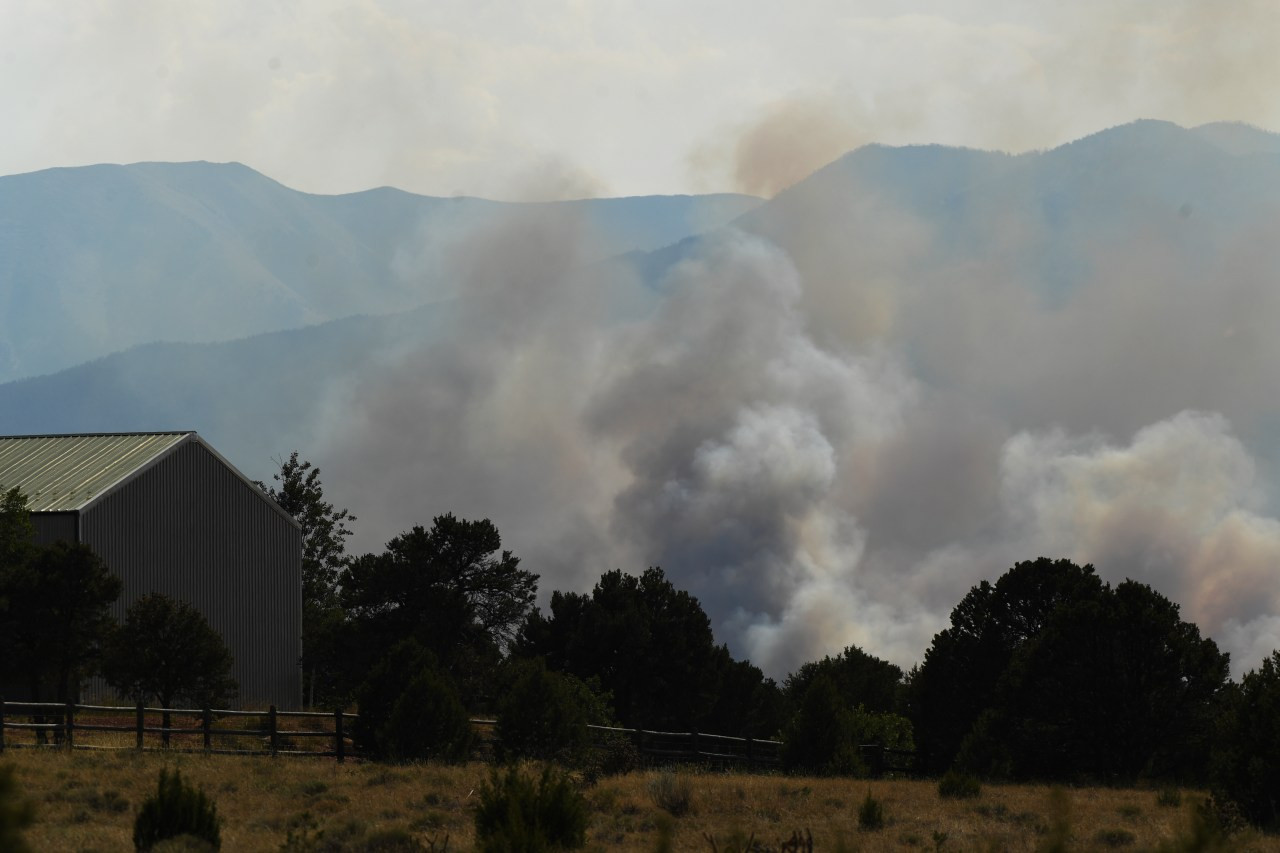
168,514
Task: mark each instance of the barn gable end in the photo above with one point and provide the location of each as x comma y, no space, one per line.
181,521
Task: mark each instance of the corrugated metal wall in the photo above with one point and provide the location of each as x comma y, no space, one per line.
190,528
54,527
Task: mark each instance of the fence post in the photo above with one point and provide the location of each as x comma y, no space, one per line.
1,724
70,723
750,751
141,721
339,744
873,755
206,723
271,721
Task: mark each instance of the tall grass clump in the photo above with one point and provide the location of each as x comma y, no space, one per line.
16,813
519,812
958,786
176,809
672,793
870,813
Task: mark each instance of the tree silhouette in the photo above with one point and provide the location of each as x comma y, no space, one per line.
649,645
860,678
449,588
324,556
1246,765
957,679
166,650
56,617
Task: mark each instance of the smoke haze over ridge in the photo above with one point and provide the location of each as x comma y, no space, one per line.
900,376
448,98
831,421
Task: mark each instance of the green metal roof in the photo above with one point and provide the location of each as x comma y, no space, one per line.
63,473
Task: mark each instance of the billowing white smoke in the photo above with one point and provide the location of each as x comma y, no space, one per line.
811,492
1181,508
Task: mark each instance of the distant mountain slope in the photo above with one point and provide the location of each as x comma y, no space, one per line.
253,398
887,241
881,224
102,258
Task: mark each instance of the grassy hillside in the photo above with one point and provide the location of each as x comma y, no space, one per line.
87,801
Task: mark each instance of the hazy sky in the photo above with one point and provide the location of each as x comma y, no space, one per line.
570,97
825,438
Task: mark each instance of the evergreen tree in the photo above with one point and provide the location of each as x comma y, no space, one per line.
1246,763
862,679
957,680
451,589
56,617
324,557
166,650
648,643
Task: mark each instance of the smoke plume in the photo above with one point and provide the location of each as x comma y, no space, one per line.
829,440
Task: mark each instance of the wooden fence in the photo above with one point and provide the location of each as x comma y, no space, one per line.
76,726
320,734
685,747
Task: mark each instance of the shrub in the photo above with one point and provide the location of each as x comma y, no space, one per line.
517,813
409,710
540,717
672,793
16,813
1169,798
870,813
428,721
826,736
821,738
613,754
176,809
958,786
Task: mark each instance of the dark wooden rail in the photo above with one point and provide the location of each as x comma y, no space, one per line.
72,726
66,723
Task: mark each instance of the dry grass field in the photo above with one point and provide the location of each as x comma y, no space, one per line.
86,800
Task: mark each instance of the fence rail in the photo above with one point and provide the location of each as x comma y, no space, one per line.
68,724
76,726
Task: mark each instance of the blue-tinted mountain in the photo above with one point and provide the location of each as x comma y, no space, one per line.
879,236
101,258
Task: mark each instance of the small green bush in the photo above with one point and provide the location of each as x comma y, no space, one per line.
959,786
672,793
826,736
409,710
176,809
16,813
870,813
1169,798
517,813
612,754
539,717
428,721
822,738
